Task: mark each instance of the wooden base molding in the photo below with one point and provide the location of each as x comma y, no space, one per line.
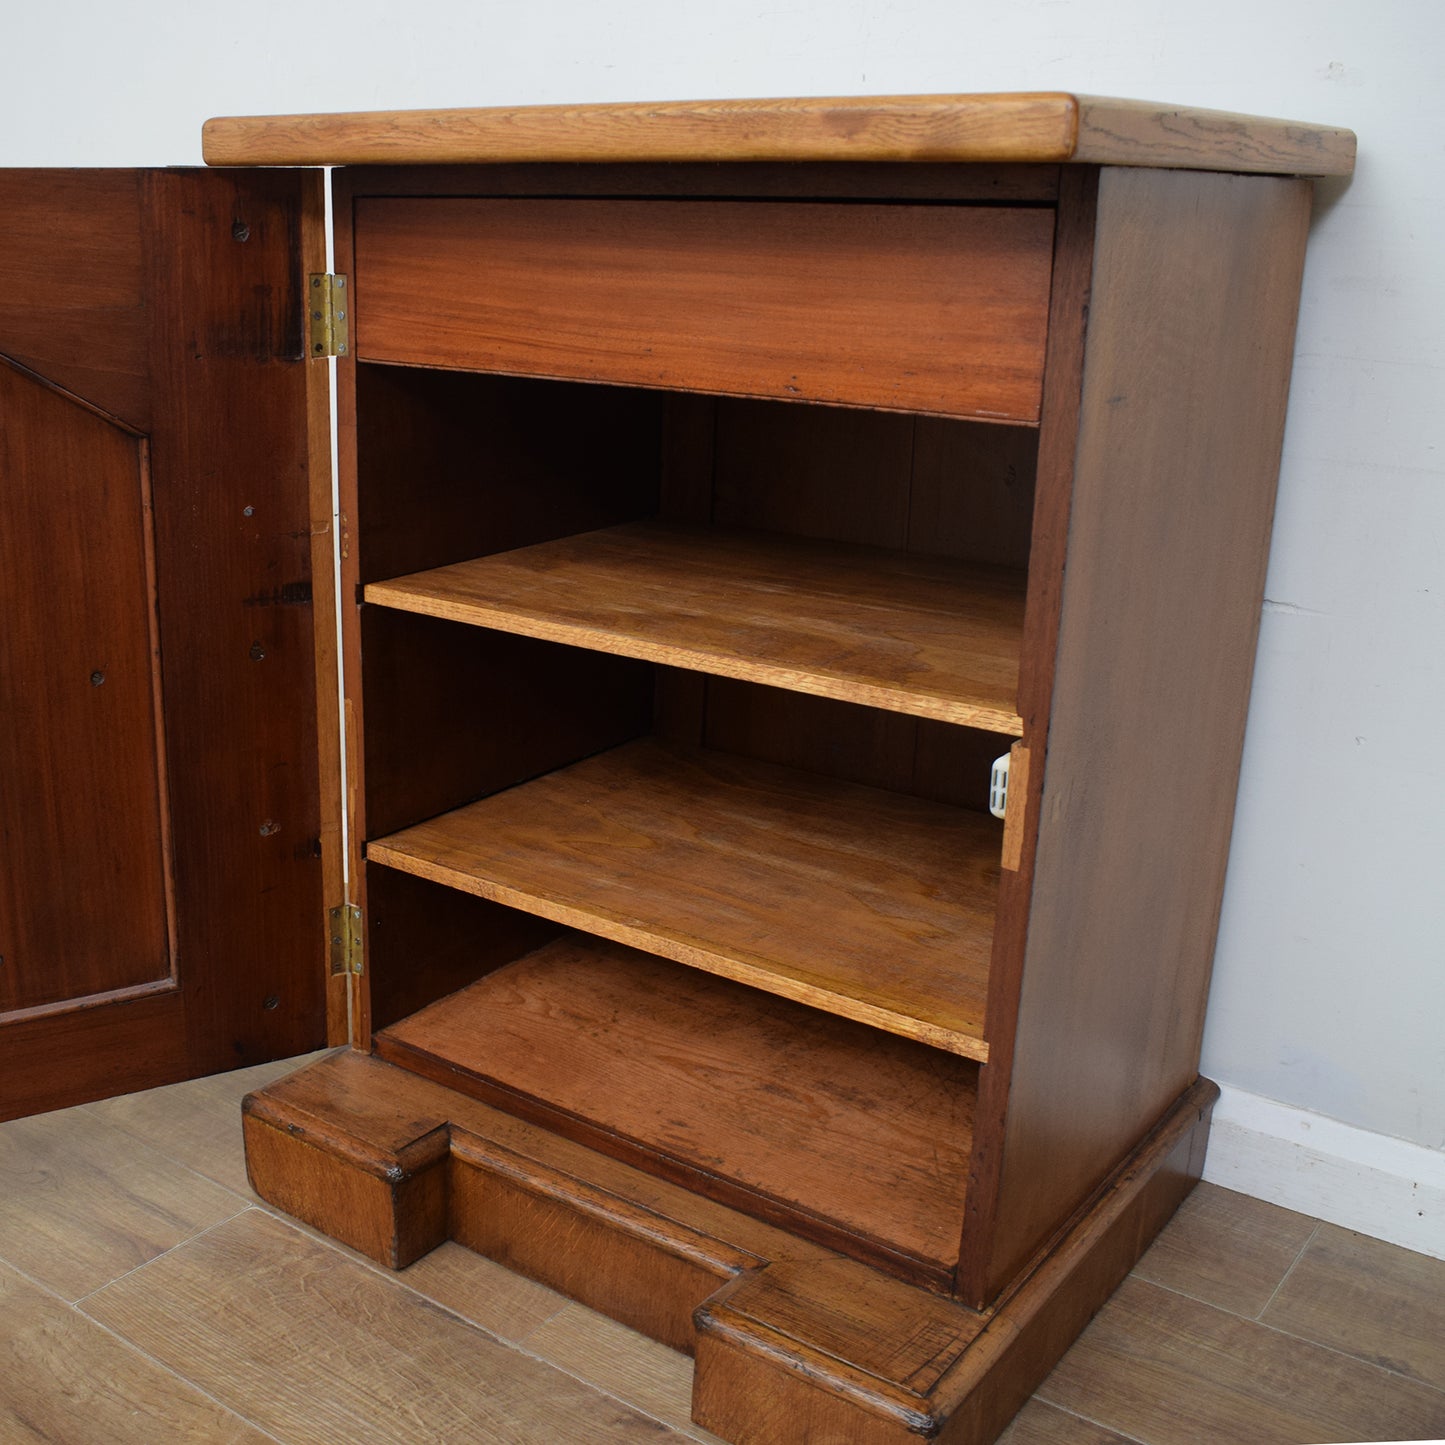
793,1342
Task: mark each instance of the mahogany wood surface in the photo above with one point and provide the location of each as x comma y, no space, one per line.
1173,492
219,259
870,905
454,713
81,747
904,633
1021,126
453,465
424,941
785,180
1074,236
925,308
72,284
811,1122
792,1341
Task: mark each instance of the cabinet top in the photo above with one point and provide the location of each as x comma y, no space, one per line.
1028,127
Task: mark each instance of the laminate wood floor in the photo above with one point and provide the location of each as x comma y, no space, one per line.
146,1295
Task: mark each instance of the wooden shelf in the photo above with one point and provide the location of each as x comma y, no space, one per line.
867,904
911,634
813,1122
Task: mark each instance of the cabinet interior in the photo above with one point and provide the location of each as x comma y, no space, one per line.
679,713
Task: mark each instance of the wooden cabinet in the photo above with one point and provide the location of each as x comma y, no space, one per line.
723,489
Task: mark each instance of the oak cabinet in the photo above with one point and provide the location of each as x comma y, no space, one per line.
723,489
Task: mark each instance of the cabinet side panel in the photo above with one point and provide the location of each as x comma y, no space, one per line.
1186,373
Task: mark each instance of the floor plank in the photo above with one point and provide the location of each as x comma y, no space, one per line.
1372,1300
1040,1424
317,1349
1172,1371
621,1362
1227,1249
64,1378
504,1304
81,1203
198,1123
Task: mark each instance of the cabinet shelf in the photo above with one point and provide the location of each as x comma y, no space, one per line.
870,905
920,635
814,1122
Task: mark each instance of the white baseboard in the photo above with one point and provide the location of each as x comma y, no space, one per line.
1371,1183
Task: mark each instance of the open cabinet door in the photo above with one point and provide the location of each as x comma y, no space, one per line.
164,480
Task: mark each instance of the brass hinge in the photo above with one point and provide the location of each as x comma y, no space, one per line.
329,313
346,938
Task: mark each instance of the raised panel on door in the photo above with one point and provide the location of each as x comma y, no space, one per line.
162,905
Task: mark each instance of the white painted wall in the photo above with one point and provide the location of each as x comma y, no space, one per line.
1330,984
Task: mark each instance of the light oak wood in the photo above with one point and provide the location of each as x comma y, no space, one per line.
792,1341
865,1146
1369,1299
66,1378
1040,1424
921,308
343,1352
622,1362
1227,1249
1150,1349
1031,127
197,1123
76,1213
739,868
892,630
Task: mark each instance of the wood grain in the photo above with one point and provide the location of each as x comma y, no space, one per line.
1074,237
1022,126
453,465
81,777
314,1347
81,1204
1226,1249
1173,491
924,308
1369,1299
1040,1424
1150,1349
908,634
197,1123
66,1378
218,259
452,713
72,285
866,904
497,1300
622,1362
812,1122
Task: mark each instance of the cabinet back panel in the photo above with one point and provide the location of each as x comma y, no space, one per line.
927,759
918,308
454,712
425,941
452,465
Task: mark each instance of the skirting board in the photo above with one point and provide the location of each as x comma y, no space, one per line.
1375,1185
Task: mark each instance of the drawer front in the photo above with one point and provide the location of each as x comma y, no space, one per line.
936,308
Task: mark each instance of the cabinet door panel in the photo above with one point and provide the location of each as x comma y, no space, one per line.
81,841
162,906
